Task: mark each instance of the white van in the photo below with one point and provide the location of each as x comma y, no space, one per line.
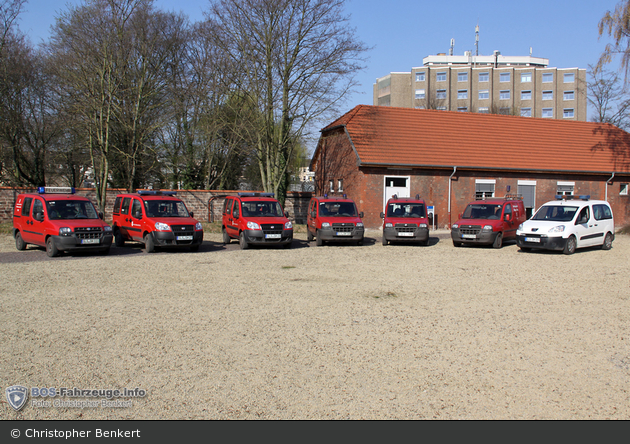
568,223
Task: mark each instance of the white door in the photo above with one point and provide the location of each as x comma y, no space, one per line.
398,185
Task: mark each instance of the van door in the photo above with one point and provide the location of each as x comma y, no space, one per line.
232,212
510,222
585,229
37,227
135,225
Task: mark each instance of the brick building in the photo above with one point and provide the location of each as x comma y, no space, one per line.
449,158
524,86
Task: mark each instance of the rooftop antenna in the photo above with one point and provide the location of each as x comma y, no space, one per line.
450,52
477,40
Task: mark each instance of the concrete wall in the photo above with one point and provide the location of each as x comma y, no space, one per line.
206,205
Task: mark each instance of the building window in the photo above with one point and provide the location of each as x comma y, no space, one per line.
462,76
340,185
440,77
547,95
568,95
504,77
462,109
547,112
484,94
526,112
484,76
547,77
568,113
420,94
526,77
526,95
505,111
440,94
569,77
565,188
462,94
484,188
442,108
420,76
623,189
484,110
504,95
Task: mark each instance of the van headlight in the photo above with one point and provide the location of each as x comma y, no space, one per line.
520,227
65,231
455,226
325,224
487,228
198,227
253,226
107,229
359,224
558,229
288,225
389,225
162,227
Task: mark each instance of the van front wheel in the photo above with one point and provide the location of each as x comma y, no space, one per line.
498,241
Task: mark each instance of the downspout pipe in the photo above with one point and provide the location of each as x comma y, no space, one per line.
608,183
450,179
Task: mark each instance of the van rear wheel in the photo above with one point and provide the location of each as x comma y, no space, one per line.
19,242
608,240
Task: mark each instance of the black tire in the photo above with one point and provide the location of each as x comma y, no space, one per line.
19,242
119,239
242,241
608,240
149,245
318,240
571,245
385,241
226,237
309,235
51,248
498,241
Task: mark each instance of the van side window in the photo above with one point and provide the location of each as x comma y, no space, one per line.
602,212
227,207
116,209
137,206
583,217
125,205
38,207
26,208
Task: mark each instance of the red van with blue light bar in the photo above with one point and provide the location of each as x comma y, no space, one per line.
256,219
157,219
59,220
405,220
332,218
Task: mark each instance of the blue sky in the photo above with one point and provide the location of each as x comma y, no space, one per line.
403,32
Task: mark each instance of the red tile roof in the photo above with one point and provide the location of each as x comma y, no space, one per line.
413,137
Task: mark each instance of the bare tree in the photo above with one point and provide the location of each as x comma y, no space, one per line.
297,60
617,25
609,99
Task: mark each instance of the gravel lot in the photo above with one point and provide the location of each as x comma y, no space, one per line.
333,332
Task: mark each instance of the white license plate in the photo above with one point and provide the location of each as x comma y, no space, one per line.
469,236
406,234
344,233
273,236
184,238
90,241
532,239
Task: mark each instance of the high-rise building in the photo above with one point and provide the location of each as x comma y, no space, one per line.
524,86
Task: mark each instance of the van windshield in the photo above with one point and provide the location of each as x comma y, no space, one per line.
165,208
71,209
337,209
557,213
261,209
405,210
482,211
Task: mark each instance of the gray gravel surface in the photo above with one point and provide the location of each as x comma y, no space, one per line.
333,332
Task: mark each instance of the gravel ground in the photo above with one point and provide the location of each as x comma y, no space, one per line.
333,332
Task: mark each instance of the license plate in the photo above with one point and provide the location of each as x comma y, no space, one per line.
406,234
184,238
344,233
532,239
90,241
273,236
469,236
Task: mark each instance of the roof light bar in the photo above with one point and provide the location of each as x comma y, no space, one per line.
55,190
572,197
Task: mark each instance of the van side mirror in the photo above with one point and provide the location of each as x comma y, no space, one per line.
39,216
137,214
192,214
235,213
382,215
101,215
508,217
361,214
286,214
313,213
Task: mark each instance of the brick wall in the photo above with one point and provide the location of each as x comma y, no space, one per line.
206,205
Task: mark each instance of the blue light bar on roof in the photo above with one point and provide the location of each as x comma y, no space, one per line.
55,190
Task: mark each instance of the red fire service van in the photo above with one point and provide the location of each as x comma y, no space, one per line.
489,222
157,219
334,219
256,219
61,221
405,220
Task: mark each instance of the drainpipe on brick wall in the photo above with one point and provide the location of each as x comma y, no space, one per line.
608,183
450,179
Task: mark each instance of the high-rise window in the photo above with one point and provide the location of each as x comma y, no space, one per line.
420,76
484,76
547,95
569,77
568,113
462,94
420,94
547,77
526,112
526,77
504,95
504,77
568,95
440,77
526,95
440,94
462,76
547,112
484,94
